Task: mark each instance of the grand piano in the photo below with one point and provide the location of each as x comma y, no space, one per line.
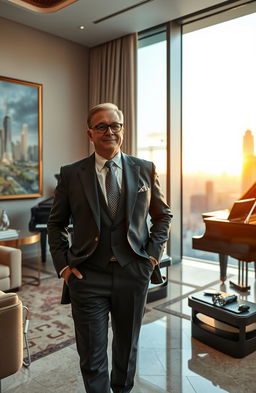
38,222
233,238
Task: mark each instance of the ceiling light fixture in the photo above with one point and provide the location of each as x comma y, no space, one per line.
43,6
81,27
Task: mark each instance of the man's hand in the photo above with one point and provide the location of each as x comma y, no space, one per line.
153,261
66,273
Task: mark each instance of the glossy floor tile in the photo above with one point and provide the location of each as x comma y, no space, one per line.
169,360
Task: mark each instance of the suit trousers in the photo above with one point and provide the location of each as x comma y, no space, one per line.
120,292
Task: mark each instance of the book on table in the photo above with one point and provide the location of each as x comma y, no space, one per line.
8,234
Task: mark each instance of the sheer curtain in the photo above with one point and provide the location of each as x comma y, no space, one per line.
112,78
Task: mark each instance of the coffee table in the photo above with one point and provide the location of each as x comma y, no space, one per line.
239,340
26,238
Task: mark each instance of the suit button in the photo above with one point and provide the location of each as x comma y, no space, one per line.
96,239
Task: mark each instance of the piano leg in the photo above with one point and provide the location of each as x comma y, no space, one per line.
223,267
242,282
43,245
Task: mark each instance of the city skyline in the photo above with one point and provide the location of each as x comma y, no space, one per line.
20,102
215,195
18,150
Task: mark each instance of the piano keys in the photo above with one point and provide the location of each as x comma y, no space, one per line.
228,237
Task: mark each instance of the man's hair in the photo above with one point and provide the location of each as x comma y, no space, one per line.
107,106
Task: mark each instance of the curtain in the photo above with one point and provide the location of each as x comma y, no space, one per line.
112,78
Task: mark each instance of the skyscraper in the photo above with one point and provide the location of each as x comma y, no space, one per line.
16,147
248,144
249,161
209,188
24,142
1,143
7,156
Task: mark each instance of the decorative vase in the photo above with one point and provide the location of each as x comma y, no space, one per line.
4,221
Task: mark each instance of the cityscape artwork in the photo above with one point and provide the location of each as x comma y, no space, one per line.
20,139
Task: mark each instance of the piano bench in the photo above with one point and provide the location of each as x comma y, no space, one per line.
228,331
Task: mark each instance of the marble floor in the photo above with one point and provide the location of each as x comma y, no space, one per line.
169,360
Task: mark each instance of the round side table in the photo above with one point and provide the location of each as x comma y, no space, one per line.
25,238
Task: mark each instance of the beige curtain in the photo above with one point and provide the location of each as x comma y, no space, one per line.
112,78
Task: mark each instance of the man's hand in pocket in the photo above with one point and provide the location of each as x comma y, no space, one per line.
66,273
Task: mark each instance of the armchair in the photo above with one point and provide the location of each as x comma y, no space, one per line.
11,334
10,268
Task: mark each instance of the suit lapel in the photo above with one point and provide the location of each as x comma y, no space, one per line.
88,179
131,175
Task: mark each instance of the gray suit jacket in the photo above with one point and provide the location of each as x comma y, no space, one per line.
76,195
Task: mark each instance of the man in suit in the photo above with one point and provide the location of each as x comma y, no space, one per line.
114,253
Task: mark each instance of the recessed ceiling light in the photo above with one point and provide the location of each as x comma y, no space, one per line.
81,27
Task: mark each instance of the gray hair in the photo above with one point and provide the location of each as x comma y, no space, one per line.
107,106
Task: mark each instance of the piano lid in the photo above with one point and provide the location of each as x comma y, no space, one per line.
229,237
241,210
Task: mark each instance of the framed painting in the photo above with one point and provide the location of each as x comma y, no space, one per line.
20,139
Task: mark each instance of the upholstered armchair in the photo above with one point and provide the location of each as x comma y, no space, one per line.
11,334
10,268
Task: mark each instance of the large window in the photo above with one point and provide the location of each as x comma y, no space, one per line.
151,126
213,138
219,121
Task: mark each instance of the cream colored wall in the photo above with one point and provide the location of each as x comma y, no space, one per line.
62,68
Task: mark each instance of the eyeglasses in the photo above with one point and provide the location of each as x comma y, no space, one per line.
103,127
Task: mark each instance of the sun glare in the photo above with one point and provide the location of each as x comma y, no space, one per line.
219,87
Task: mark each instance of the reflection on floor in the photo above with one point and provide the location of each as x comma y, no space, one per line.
168,359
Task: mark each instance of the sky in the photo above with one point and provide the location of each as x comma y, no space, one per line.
20,102
219,89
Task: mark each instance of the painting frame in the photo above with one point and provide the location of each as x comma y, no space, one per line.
21,164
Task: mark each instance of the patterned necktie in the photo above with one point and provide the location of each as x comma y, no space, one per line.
112,188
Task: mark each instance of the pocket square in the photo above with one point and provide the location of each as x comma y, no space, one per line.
143,189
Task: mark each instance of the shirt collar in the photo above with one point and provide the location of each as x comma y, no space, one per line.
100,161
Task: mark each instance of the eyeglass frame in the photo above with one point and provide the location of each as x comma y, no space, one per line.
108,126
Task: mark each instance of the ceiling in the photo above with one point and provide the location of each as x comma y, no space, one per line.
129,16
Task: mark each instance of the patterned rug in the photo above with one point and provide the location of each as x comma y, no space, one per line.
51,325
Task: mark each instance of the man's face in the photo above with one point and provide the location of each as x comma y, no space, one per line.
107,144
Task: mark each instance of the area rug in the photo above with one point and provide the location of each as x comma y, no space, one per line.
51,325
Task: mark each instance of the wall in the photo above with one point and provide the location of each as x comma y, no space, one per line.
62,68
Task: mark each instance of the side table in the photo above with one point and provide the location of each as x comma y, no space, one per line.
238,342
25,238
159,291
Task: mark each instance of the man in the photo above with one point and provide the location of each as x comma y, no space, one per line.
113,254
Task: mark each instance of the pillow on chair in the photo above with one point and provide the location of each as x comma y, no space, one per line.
10,268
